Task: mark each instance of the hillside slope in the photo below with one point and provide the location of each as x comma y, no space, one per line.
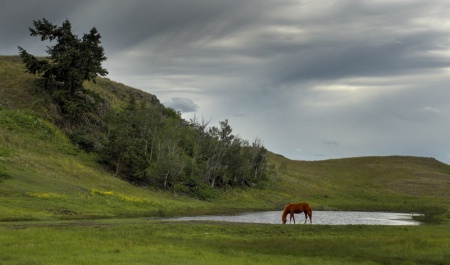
378,183
44,176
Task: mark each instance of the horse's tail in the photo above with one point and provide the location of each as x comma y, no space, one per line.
310,213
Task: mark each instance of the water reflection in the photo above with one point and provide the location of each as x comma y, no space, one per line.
319,217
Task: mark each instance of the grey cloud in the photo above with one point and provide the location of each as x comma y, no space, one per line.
369,77
182,104
330,143
17,16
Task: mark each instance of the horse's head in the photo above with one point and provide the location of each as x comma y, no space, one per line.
283,216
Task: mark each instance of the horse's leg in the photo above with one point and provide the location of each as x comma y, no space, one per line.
306,217
292,218
310,217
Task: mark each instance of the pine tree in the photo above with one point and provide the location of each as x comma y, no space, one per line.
71,60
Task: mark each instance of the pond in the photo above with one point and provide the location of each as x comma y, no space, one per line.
319,217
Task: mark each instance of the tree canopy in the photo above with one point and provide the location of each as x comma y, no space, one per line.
150,146
71,60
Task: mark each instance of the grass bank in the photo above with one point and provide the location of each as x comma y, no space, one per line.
140,241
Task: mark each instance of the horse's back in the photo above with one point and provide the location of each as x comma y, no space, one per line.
298,207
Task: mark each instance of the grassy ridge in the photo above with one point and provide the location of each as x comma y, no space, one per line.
370,183
43,176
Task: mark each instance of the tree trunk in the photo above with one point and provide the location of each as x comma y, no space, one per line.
165,180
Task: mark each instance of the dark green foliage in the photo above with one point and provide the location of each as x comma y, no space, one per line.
85,140
131,132
229,160
152,145
71,61
433,215
4,175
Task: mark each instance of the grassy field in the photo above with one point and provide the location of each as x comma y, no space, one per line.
140,241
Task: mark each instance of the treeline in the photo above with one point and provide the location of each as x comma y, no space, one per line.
150,144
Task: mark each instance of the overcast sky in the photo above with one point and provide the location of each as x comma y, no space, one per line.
313,80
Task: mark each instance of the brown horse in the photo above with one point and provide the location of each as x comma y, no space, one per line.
294,208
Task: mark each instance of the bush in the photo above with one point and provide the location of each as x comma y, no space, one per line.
4,175
203,191
84,140
433,215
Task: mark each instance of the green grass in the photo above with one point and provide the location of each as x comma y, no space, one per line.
18,90
139,241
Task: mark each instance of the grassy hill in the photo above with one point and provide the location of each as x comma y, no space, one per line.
44,176
377,183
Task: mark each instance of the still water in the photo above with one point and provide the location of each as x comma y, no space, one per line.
319,217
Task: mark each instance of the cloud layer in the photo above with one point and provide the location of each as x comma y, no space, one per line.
313,81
